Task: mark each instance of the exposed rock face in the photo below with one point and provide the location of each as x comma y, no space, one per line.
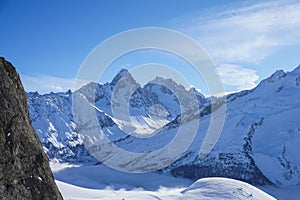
24,167
259,141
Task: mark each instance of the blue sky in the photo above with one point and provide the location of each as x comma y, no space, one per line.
248,40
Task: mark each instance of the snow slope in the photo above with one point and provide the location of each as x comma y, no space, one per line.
260,138
206,189
151,107
223,188
258,144
107,184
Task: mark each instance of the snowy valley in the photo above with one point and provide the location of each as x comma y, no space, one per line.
258,143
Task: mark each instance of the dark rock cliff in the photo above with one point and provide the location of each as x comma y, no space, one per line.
24,167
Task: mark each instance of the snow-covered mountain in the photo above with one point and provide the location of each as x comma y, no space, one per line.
258,143
260,136
151,107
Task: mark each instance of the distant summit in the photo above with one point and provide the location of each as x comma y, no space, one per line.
123,74
258,143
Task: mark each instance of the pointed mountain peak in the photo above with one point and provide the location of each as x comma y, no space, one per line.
195,91
277,75
123,74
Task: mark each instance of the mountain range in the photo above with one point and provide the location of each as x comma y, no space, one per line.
258,143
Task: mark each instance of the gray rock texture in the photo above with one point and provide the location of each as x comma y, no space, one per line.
24,167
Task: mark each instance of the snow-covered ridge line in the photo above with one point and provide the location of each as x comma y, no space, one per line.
270,155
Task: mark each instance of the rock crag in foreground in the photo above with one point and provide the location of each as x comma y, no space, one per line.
24,167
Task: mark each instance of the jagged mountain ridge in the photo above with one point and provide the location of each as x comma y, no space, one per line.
260,136
242,151
51,114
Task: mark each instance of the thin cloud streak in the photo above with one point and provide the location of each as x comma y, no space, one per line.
248,34
239,77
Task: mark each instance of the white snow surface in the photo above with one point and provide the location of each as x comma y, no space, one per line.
87,182
265,120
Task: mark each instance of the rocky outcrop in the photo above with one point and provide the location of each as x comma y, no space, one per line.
24,167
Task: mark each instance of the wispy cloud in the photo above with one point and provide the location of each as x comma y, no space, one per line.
247,34
45,83
239,77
